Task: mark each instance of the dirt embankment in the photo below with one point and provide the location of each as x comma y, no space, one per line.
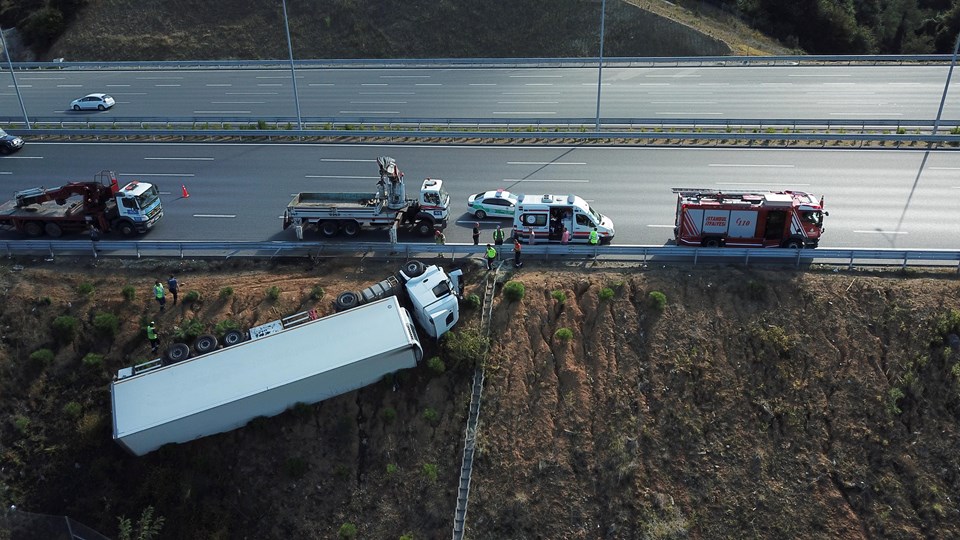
751,403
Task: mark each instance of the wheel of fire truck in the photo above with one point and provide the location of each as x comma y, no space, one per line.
793,243
52,229
205,344
32,228
350,228
233,337
347,300
425,227
413,268
480,214
328,228
178,352
712,242
125,227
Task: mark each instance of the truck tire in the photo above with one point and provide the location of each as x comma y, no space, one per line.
347,300
350,228
711,242
125,227
328,228
205,344
424,228
52,229
413,269
793,243
178,352
32,228
233,337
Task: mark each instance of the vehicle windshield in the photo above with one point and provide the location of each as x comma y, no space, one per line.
3,133
148,197
813,217
444,196
596,215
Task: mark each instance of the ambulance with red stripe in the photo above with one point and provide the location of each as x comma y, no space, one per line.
545,216
713,218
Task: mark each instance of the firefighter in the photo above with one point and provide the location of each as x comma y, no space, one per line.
594,237
152,336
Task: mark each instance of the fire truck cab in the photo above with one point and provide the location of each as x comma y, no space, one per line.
712,218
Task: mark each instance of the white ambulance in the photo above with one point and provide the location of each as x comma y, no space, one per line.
544,217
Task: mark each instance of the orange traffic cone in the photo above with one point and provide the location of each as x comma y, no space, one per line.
185,193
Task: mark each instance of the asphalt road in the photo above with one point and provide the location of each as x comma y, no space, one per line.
239,191
801,92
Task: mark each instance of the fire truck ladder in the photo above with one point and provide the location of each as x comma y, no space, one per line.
470,434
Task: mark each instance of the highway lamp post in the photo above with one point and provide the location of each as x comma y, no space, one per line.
293,72
6,52
603,11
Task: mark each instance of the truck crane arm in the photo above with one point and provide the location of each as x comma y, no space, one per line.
93,193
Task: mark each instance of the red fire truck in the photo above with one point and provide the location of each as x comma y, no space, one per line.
712,218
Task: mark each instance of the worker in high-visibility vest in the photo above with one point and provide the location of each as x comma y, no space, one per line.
594,237
491,256
160,294
152,336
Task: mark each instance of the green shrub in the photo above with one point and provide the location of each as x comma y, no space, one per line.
406,537
514,291
65,328
392,469
85,288
436,365
261,124
192,296
22,423
564,334
41,358
73,409
430,472
893,397
756,290
226,292
225,326
129,293
93,360
273,293
189,330
295,467
606,293
473,301
42,27
431,415
106,324
559,296
948,323
348,531
464,347
389,415
658,300
317,293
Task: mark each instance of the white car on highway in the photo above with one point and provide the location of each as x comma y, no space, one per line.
100,102
497,204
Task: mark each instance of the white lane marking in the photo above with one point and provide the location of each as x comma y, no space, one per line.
546,163
251,93
69,86
428,84
662,226
215,215
369,112
168,85
124,102
21,86
945,168
819,75
790,185
221,112
339,176
180,158
524,112
269,84
650,84
378,102
237,102
482,84
6,172
905,84
320,84
712,84
536,76
538,84
868,114
219,84
772,84
345,160
117,85
404,76
677,76
41,78
528,180
128,93
527,102
23,157
374,84
777,166
387,93
684,102
159,78
537,93
165,192
881,232
273,76
155,174
689,113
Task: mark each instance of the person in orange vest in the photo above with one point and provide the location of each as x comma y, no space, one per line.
517,263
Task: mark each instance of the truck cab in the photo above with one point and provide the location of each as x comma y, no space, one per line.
435,296
435,200
138,203
546,216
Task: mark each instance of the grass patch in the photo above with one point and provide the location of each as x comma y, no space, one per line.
389,415
465,347
225,326
431,415
85,288
65,328
473,301
564,334
658,300
436,365
225,292
559,296
93,360
430,471
273,293
606,293
129,293
348,531
192,296
514,291
189,330
317,293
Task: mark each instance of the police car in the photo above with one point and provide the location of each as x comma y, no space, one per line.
498,204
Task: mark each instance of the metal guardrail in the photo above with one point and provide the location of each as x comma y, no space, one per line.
953,141
509,63
639,253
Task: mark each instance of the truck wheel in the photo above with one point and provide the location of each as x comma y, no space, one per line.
413,269
32,228
711,242
793,243
425,228
54,230
350,228
480,214
329,228
205,344
233,337
126,228
347,300
178,352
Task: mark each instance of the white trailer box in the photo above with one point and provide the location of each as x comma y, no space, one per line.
225,389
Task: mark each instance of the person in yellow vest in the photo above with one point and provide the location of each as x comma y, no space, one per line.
160,294
594,237
152,336
491,256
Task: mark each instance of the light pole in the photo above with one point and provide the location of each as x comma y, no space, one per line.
293,72
603,11
3,42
